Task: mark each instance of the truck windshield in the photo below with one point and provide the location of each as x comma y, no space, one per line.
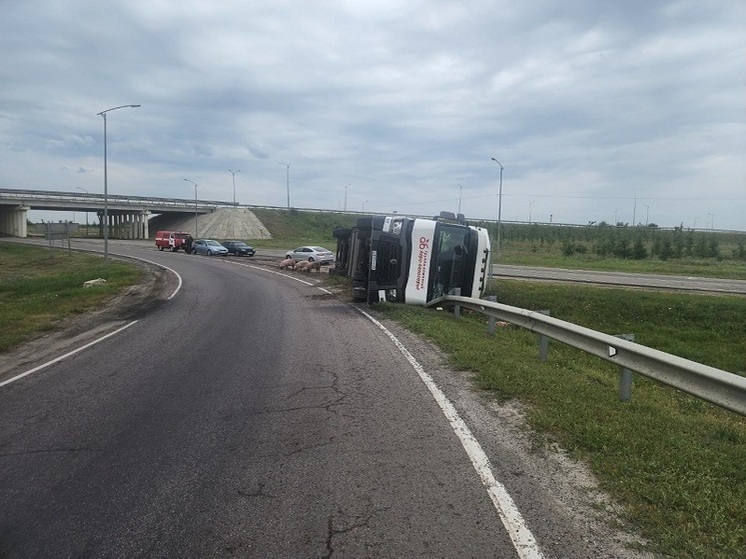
450,267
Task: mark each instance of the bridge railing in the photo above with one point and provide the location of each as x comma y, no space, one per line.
92,197
716,386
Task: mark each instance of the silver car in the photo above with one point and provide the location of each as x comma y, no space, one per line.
208,247
311,254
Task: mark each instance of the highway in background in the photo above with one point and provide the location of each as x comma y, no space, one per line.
621,279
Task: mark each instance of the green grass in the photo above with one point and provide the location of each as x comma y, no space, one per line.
294,228
39,288
675,463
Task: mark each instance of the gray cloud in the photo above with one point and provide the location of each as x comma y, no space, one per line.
589,106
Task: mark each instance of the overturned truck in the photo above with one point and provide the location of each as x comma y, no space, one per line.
413,260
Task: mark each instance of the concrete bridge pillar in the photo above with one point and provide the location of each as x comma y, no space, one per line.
108,225
126,225
13,221
144,230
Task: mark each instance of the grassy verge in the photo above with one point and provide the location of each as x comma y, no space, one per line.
293,228
676,464
39,288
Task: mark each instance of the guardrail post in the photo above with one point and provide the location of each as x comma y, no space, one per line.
457,308
492,320
625,375
724,389
543,341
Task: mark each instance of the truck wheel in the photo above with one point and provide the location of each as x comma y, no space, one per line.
160,248
174,249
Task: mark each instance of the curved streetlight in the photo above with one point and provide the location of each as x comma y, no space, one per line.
196,231
287,179
234,183
106,181
499,205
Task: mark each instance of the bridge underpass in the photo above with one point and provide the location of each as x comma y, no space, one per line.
127,216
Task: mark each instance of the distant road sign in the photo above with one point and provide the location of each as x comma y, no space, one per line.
57,230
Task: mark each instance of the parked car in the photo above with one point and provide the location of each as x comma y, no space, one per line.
208,247
311,254
239,248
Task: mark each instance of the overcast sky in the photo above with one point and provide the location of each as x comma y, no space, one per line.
597,110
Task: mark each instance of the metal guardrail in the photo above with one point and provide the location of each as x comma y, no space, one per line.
716,386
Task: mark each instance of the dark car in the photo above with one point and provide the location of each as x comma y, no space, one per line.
239,248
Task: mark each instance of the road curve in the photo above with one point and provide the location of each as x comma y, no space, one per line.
255,415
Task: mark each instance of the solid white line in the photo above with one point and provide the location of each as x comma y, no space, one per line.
264,269
73,352
523,540
174,272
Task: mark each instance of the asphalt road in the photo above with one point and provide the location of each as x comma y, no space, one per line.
255,415
647,281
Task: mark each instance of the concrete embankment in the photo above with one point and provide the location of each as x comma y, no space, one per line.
222,224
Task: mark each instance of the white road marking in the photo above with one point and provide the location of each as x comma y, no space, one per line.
523,540
264,269
61,357
174,272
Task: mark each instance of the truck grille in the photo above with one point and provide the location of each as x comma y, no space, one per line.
388,262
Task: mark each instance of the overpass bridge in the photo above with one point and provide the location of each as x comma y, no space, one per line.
127,216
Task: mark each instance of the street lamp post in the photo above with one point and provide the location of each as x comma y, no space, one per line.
499,205
234,183
647,214
287,179
347,185
106,181
460,188
196,231
531,203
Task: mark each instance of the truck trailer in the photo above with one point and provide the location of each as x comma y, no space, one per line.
413,260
